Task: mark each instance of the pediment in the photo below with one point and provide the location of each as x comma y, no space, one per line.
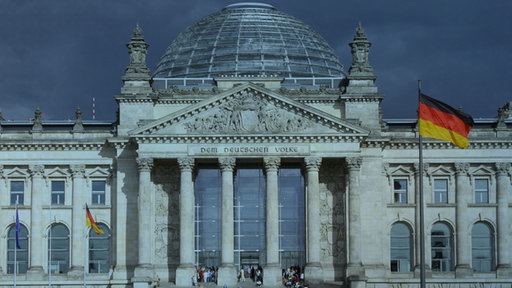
249,109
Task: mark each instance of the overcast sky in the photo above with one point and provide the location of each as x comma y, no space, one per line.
58,55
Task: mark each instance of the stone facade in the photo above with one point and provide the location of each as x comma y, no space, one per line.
352,162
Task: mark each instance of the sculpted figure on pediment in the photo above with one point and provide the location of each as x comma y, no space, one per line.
248,113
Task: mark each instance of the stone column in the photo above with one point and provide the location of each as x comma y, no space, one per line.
143,270
185,270
504,268
417,195
463,193
79,193
314,272
355,267
38,245
227,271
272,275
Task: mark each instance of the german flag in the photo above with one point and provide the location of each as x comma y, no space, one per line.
440,121
89,221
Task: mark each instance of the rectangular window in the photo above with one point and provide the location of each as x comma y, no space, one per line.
481,190
400,191
17,192
58,188
440,191
98,191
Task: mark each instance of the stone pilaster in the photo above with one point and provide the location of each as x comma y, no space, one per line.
227,270
79,199
272,275
355,268
418,227
37,243
143,271
504,268
463,194
314,270
185,270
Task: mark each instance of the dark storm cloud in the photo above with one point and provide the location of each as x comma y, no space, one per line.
58,55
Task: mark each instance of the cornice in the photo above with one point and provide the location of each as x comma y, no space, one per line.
51,146
395,144
249,139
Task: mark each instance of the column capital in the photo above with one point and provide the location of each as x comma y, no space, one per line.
227,163
417,168
313,163
272,163
77,170
353,163
36,170
461,169
502,168
186,163
144,164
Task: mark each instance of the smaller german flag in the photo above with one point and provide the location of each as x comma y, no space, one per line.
440,121
89,221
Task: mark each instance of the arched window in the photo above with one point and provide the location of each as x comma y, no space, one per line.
21,253
401,248
99,250
58,248
482,247
441,248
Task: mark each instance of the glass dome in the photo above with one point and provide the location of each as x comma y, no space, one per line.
249,39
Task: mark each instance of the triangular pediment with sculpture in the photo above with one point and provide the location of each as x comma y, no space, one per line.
245,110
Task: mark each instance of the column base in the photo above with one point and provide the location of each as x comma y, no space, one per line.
76,271
355,270
503,271
185,275
36,273
463,271
227,276
272,275
357,281
417,271
313,273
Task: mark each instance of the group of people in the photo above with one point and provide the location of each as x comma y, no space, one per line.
205,275
251,272
293,277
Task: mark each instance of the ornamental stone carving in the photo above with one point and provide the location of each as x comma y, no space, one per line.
272,163
353,163
36,170
248,113
503,168
227,163
77,170
313,163
462,169
186,163
417,168
144,164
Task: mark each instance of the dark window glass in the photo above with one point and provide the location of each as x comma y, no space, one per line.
482,244
400,191
21,253
98,192
401,248
58,249
58,188
99,250
441,248
17,192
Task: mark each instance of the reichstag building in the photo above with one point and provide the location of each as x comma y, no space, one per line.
249,146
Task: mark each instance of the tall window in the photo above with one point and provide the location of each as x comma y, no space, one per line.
99,250
58,188
207,216
481,190
98,191
58,249
441,245
482,248
249,209
292,242
400,191
440,191
21,253
17,192
401,248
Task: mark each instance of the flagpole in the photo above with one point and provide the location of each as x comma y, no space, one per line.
16,244
50,247
422,213
85,254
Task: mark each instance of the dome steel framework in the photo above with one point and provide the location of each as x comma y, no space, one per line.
249,39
